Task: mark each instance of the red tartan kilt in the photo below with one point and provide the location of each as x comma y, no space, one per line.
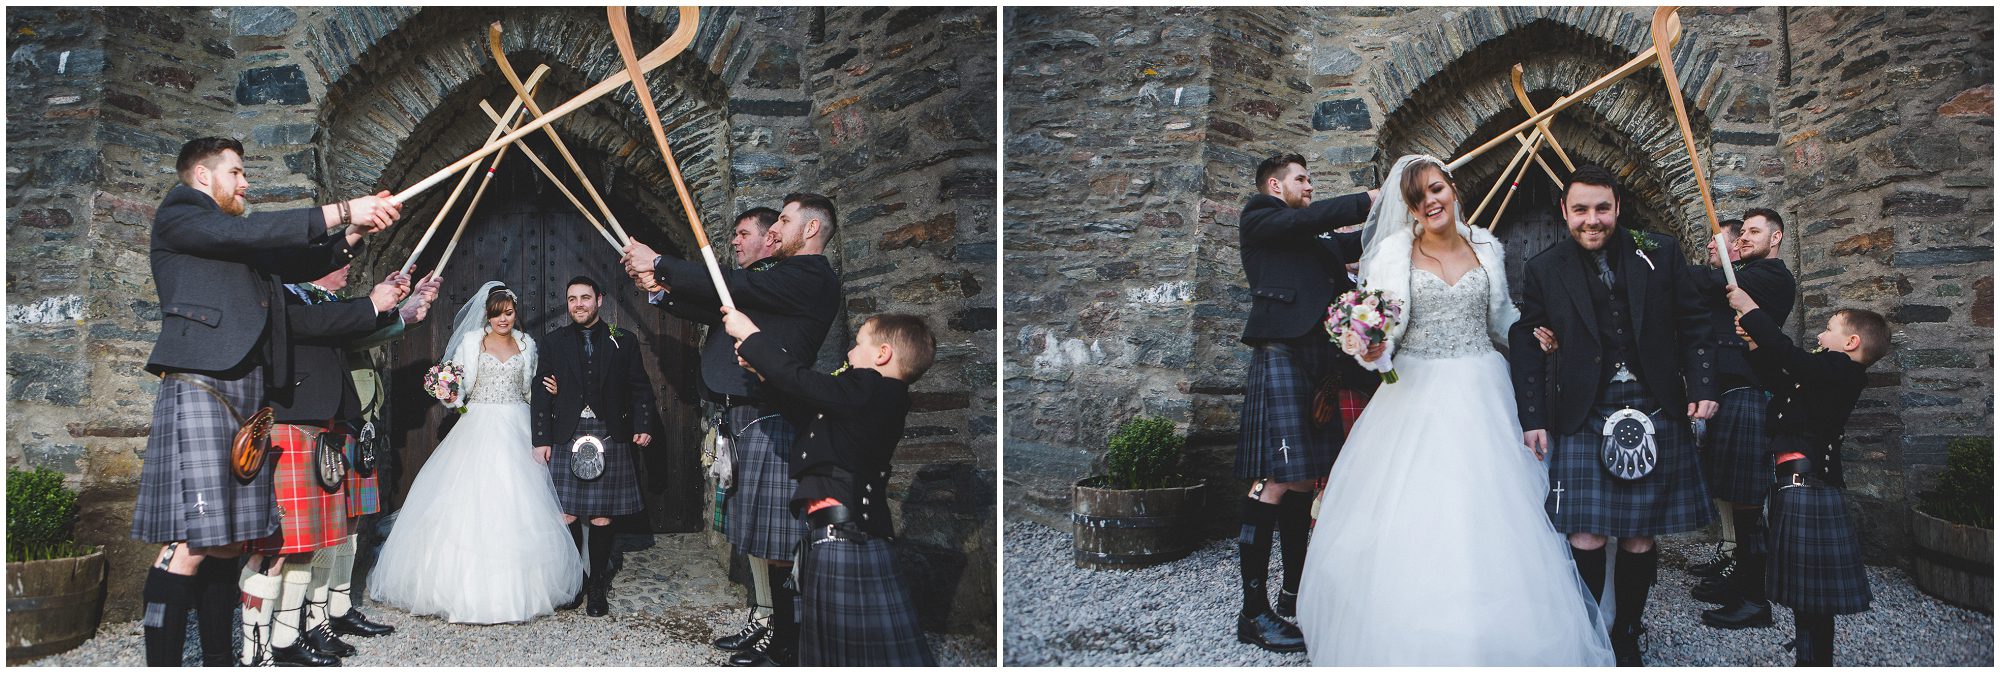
310,518
1351,404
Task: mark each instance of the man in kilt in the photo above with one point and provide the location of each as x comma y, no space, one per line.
795,300
1736,458
314,403
1815,564
855,610
1283,449
223,336
728,388
1634,335
594,384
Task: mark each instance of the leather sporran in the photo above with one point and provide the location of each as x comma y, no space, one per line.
1629,451
1326,402
586,457
252,442
330,460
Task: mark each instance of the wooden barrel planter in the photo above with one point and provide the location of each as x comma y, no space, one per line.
1954,561
53,605
1132,528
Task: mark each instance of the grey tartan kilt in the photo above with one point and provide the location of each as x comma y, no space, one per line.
1279,440
1736,460
186,488
1815,554
1671,499
758,510
613,493
855,610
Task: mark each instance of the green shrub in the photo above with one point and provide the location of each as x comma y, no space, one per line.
1964,492
41,515
1145,453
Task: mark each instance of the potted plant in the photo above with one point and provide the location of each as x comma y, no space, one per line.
1954,528
1143,511
55,587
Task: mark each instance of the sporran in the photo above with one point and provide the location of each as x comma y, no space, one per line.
586,457
1629,451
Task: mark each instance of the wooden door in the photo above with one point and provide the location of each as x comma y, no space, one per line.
1532,222
535,245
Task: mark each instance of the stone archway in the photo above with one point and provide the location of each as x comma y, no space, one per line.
1446,90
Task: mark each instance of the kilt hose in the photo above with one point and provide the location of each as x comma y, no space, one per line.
1670,499
855,610
187,491
364,494
1278,439
761,523
1735,457
1815,554
310,518
614,493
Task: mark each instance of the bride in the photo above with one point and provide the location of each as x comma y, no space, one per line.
480,538
1433,547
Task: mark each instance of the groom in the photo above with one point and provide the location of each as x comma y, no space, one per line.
600,389
1634,334
1293,276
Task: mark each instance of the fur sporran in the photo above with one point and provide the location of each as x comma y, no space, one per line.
586,457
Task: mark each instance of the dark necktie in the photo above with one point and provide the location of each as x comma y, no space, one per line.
588,348
1604,268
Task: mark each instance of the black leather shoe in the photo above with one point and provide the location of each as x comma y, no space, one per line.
356,624
1625,645
1269,631
324,640
1288,604
1744,614
301,654
756,654
742,640
600,601
1720,590
1714,566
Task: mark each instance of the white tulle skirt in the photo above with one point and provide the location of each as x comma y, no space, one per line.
1432,547
480,540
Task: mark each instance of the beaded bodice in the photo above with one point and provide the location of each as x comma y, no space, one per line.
1446,321
498,381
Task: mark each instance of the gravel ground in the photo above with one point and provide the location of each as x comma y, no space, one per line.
1183,613
669,599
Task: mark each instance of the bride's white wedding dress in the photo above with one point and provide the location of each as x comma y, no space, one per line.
1432,547
480,539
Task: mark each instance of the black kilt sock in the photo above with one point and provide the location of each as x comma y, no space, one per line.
784,609
1590,565
600,552
215,609
168,597
1294,524
1253,546
1634,577
1814,639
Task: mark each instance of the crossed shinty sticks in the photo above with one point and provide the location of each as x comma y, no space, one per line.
507,133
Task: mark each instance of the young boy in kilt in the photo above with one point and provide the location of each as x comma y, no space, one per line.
854,610
1815,566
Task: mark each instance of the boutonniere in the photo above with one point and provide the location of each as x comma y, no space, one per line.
1817,351
1644,244
615,333
843,367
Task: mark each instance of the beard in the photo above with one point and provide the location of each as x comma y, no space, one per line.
788,248
228,202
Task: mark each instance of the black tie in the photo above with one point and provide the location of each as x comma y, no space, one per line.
1604,268
588,349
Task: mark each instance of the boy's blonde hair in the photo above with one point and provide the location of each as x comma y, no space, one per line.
911,337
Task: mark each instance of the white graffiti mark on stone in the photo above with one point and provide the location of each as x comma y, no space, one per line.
48,310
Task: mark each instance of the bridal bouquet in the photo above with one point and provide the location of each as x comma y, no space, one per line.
1360,319
443,381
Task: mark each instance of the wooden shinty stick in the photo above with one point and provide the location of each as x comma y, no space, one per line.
470,206
1493,224
1662,41
585,210
500,126
622,34
682,37
493,44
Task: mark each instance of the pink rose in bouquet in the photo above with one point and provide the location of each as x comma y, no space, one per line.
444,382
1359,320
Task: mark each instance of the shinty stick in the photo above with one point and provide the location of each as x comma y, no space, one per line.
499,127
622,34
470,206
1534,141
1662,40
682,37
493,44
1521,94
585,210
1534,148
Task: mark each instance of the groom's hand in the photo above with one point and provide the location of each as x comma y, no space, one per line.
642,439
1537,441
1702,410
542,454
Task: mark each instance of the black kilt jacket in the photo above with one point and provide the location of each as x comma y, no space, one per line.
620,393
321,388
1293,275
1811,394
852,423
1769,283
794,300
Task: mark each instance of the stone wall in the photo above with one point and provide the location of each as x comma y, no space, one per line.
335,101
1352,89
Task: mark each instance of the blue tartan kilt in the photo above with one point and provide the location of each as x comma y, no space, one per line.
614,493
1736,458
1670,499
1815,553
1279,440
187,491
855,610
759,505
